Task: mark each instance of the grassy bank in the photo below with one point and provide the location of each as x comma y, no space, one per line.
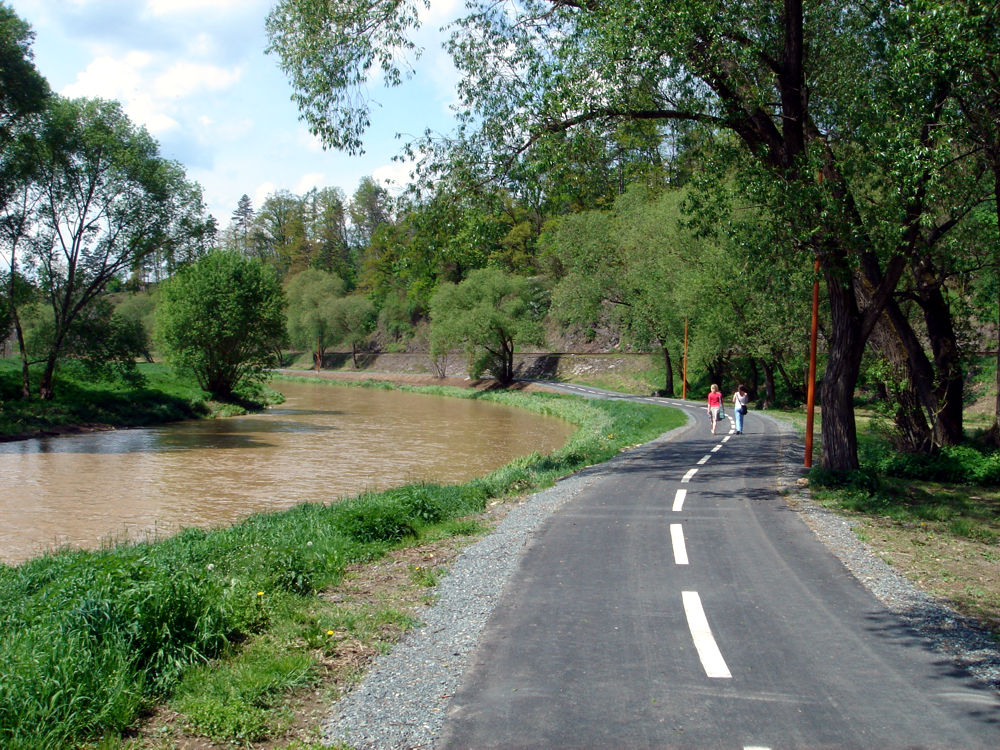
218,628
82,403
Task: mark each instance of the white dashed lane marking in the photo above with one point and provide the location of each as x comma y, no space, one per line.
677,541
704,642
679,500
690,473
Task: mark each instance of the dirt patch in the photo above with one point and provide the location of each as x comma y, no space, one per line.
961,571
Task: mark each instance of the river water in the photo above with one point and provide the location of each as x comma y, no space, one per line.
324,443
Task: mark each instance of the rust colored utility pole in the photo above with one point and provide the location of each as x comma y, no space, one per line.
811,385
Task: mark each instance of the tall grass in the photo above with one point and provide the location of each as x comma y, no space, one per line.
89,640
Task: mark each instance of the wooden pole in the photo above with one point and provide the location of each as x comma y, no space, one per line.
811,385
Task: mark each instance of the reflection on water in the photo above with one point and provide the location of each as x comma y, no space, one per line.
323,443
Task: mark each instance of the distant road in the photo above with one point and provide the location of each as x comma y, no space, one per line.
679,603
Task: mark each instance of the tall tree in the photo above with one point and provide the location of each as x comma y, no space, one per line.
370,208
106,202
280,233
327,232
241,225
23,90
23,94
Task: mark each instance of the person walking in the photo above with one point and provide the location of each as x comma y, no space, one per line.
740,399
714,405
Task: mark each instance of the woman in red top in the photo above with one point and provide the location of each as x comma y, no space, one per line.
714,405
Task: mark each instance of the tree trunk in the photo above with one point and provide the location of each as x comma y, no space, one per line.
668,380
715,372
840,438
769,390
45,391
23,349
996,202
948,426
795,390
318,355
754,376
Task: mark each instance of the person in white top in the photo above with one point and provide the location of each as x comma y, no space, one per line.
740,399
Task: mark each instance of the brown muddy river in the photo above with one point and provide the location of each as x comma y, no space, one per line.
323,443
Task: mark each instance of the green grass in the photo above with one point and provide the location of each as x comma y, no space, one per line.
223,623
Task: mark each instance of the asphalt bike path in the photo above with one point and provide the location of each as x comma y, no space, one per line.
679,603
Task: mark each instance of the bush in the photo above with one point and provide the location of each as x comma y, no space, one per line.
960,464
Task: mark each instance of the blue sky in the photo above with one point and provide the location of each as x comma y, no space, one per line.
195,74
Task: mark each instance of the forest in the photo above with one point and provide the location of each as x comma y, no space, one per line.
639,176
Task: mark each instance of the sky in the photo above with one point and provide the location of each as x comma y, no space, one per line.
195,74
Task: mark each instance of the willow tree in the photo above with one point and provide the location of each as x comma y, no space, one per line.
312,311
488,315
835,131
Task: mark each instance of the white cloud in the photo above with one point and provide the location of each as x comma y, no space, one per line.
308,181
260,194
145,111
186,78
109,78
395,175
123,79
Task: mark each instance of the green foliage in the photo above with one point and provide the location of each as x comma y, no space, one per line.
88,640
488,314
311,47
222,320
22,88
99,203
354,319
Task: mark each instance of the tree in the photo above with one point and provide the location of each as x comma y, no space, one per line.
280,233
327,232
823,112
369,209
488,314
241,225
100,203
223,320
23,90
353,321
313,314
23,94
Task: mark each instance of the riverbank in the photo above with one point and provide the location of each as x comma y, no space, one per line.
81,405
262,617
